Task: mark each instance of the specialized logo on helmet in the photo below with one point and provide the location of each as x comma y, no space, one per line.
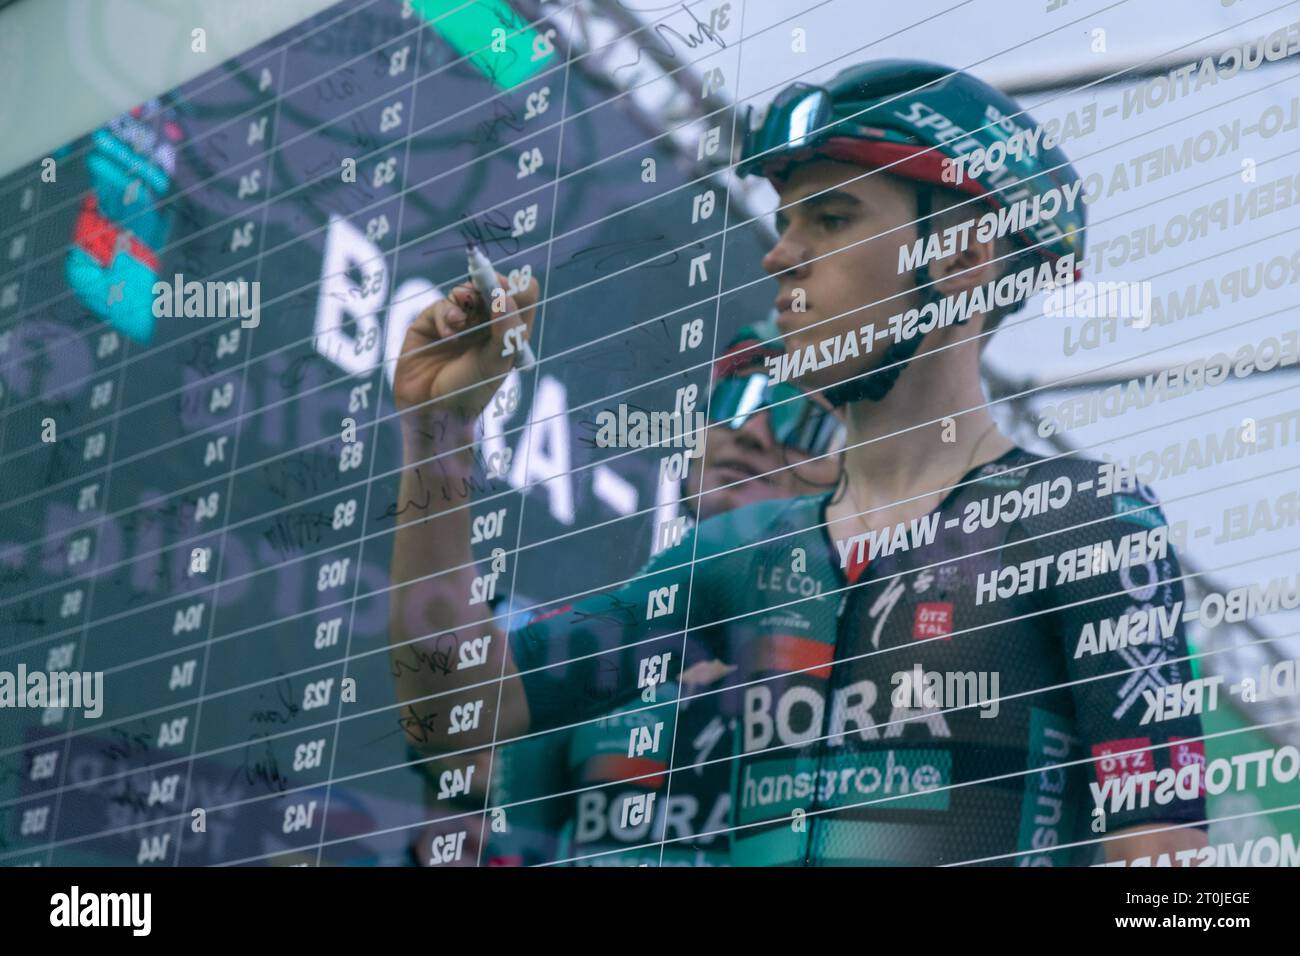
929,123
1010,183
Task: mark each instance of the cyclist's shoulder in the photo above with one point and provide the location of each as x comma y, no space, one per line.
758,523
1019,467
1071,488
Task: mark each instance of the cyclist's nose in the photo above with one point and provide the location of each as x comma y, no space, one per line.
756,433
787,254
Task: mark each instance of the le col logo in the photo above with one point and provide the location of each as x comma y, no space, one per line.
103,909
208,300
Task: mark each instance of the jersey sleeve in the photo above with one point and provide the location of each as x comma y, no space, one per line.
1114,597
581,659
525,773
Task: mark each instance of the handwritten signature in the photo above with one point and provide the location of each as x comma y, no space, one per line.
438,659
621,249
692,39
621,613
265,770
468,487
283,690
417,727
125,744
293,532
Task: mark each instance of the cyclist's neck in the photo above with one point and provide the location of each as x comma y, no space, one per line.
936,406
904,452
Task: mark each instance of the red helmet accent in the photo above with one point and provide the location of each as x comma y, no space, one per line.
741,355
923,163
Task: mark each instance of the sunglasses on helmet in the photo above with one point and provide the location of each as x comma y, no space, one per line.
801,117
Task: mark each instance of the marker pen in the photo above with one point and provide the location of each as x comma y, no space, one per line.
484,277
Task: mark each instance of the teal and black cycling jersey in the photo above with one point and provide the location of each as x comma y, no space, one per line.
973,698
564,791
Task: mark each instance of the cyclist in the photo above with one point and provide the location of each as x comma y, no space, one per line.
948,552
762,443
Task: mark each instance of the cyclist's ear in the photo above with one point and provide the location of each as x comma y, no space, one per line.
966,269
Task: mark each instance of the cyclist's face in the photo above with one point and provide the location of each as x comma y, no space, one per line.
829,211
749,460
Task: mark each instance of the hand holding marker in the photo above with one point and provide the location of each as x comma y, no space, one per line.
484,277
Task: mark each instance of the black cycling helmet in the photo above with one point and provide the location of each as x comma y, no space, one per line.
915,118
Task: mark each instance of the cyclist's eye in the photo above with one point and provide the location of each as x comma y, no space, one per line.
832,223
782,224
